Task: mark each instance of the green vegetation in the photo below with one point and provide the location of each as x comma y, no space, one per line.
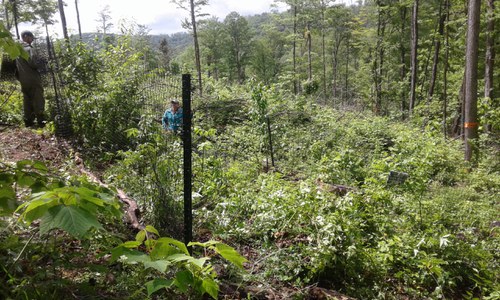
312,167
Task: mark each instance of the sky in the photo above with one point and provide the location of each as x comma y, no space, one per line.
160,16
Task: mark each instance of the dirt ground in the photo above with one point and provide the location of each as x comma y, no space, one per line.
23,143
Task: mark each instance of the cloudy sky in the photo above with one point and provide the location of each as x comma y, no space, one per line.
160,16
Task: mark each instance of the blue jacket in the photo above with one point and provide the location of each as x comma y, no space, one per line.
172,121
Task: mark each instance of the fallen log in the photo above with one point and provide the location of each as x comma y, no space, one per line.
132,209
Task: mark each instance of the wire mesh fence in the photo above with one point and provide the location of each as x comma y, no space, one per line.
145,100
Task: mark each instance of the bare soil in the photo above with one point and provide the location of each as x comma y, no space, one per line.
24,143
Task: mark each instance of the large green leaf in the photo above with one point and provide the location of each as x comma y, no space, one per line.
160,265
163,249
179,257
211,287
38,207
167,246
8,203
184,279
230,254
157,284
74,220
131,255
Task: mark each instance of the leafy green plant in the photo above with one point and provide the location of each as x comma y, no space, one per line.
192,275
72,207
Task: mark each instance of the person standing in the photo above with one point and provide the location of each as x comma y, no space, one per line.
172,119
31,83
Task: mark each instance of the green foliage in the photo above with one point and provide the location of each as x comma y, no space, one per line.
9,46
104,88
73,208
167,255
368,243
152,173
11,103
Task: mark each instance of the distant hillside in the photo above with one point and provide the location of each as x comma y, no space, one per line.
176,41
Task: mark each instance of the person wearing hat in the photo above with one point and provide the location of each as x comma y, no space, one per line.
172,119
31,83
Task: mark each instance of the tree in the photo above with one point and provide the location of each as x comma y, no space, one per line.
378,56
104,19
212,38
295,6
13,3
63,19
403,12
490,54
414,56
194,10
166,56
238,45
470,122
6,14
437,47
338,18
266,54
78,19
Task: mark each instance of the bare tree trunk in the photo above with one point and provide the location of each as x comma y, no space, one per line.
437,47
14,12
78,19
402,69
295,83
470,122
6,14
445,75
335,56
379,62
337,41
346,68
196,48
490,55
323,49
414,53
309,53
63,19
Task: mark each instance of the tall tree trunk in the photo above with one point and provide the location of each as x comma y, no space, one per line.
402,61
309,53
78,19
437,47
346,69
445,73
378,62
335,57
414,53
470,122
15,15
6,15
294,50
337,41
63,19
323,49
196,48
490,55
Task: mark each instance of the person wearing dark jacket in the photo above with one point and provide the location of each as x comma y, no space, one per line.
31,83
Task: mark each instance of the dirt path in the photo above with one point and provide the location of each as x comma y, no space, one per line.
22,143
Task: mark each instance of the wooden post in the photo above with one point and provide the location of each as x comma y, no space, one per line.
186,137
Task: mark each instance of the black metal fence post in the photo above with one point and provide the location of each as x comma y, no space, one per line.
186,137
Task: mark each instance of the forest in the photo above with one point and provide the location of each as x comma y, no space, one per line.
331,151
